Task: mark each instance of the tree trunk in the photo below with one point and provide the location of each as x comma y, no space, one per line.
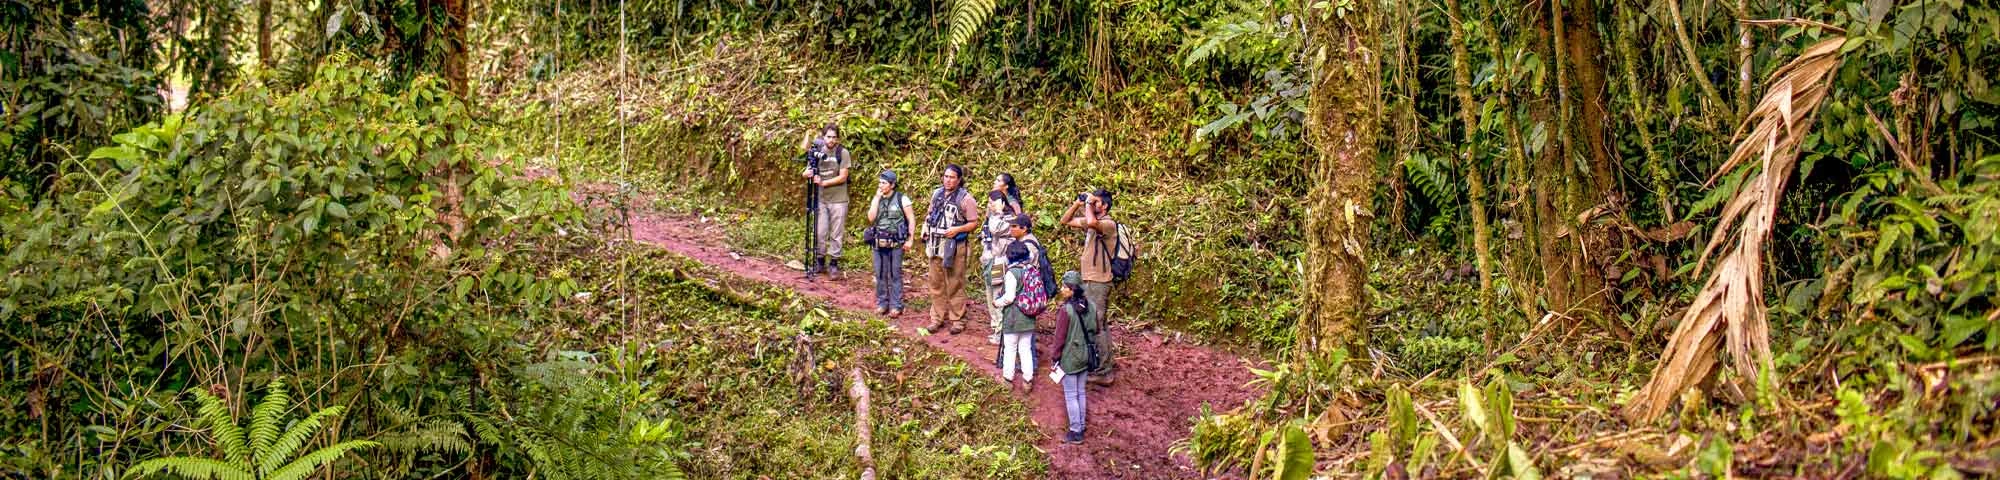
1550,176
1346,96
1642,118
454,78
1475,178
264,33
455,15
1604,191
1576,172
1521,240
1406,126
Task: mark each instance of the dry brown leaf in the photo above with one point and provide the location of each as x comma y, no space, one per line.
1731,300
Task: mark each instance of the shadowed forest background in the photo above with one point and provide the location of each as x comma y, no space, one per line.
1582,238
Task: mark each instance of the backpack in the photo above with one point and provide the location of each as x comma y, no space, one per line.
1033,297
1047,270
1122,253
1094,359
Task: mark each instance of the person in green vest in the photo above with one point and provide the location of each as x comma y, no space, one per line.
890,211
1074,357
1017,329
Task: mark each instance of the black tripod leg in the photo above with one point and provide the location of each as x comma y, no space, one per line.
811,223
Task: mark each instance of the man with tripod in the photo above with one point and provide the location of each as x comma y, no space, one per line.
826,200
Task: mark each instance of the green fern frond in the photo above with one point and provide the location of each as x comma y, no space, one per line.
395,414
267,417
294,438
433,436
1433,178
671,472
228,436
196,468
487,432
311,462
966,17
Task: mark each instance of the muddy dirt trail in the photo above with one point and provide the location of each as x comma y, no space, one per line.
1161,382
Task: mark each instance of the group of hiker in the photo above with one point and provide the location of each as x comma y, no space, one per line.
1020,283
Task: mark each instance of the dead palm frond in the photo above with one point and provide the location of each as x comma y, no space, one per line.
1730,304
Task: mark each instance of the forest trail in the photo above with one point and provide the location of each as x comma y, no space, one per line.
1162,382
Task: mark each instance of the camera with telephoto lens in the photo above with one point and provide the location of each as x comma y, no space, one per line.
814,155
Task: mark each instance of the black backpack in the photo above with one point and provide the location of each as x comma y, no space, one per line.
1122,252
1096,358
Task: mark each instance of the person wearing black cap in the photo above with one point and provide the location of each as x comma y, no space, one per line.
891,217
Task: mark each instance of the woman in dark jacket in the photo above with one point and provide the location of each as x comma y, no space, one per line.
1073,352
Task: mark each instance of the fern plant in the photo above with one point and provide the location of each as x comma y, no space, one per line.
966,17
262,451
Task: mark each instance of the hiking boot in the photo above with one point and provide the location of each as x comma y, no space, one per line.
957,327
881,310
1073,437
895,313
812,269
833,269
936,326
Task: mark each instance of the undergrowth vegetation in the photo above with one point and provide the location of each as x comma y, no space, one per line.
282,237
760,374
384,248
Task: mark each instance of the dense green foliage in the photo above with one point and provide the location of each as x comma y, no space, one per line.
72,78
290,224
1879,273
277,233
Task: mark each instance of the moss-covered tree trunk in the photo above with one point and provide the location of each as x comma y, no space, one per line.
1475,178
1642,114
1522,267
1576,173
1342,125
264,33
455,53
1405,24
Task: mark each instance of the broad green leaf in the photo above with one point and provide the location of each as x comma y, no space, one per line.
1470,405
1521,464
1295,455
